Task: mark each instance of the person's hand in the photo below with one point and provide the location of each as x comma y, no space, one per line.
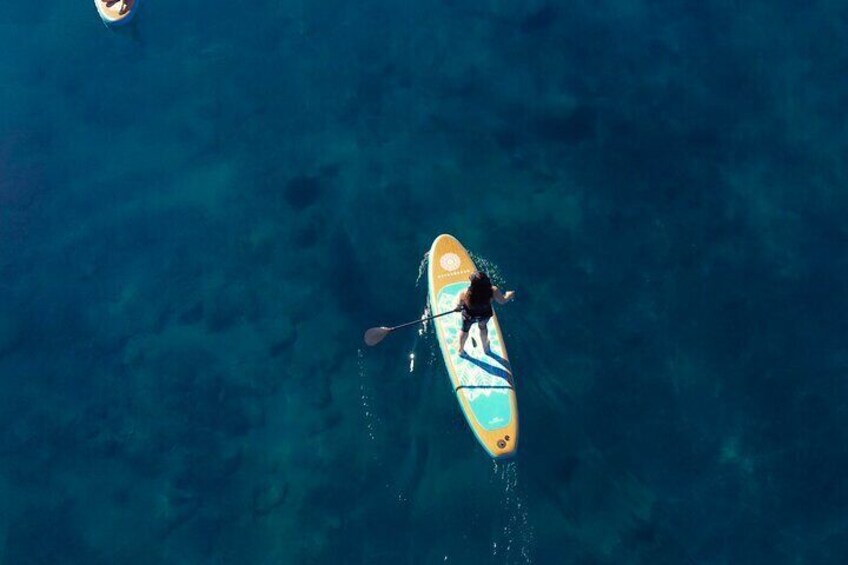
510,295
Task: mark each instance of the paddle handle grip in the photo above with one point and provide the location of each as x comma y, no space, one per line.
422,320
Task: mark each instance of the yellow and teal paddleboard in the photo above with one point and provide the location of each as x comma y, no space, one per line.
482,382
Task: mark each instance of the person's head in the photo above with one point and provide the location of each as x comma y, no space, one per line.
480,291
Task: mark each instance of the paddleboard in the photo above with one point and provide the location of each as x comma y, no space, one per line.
482,382
111,14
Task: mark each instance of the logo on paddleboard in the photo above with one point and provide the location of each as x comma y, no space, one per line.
449,261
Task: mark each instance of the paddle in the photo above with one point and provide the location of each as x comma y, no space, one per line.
375,335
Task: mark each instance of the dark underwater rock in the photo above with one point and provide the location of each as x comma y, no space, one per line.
540,19
193,315
575,126
223,310
303,191
207,471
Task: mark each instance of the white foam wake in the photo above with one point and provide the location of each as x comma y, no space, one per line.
422,268
514,541
365,396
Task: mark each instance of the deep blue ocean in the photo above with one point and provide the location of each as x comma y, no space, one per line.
200,215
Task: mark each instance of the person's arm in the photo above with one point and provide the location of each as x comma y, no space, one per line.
460,301
502,298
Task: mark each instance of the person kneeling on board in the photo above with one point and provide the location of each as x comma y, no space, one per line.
125,5
475,303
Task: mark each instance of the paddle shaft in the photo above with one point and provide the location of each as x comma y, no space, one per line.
422,320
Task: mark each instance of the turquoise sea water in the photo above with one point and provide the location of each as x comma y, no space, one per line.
201,214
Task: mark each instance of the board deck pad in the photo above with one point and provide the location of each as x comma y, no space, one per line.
482,382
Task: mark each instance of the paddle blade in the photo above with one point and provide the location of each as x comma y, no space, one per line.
375,335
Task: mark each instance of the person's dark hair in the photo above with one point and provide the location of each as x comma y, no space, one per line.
480,291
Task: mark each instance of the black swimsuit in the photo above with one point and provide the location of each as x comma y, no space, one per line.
476,313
